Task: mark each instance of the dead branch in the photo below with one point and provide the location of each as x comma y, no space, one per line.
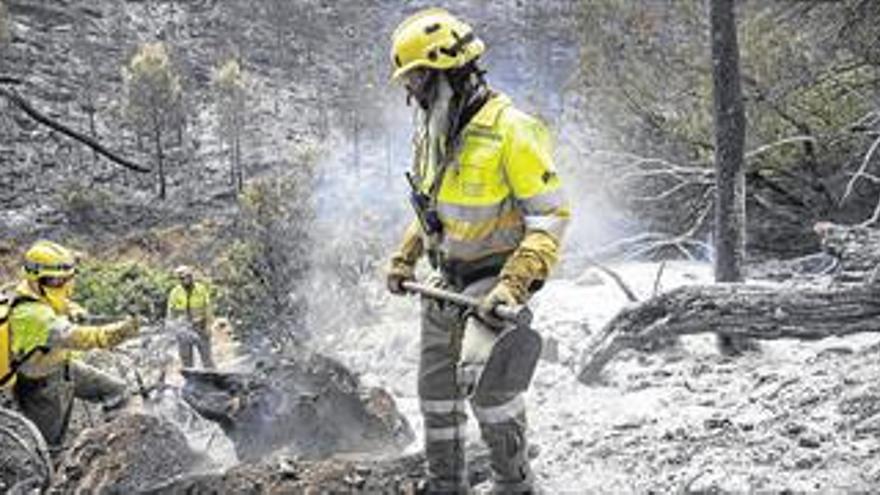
658,278
782,142
33,113
614,276
860,173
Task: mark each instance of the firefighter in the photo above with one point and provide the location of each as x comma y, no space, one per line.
191,314
44,337
490,218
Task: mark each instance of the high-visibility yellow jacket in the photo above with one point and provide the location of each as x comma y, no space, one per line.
194,305
35,323
501,195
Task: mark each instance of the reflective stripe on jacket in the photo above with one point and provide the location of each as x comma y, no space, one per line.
34,323
501,185
194,305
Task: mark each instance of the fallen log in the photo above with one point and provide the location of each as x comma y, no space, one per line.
849,304
744,310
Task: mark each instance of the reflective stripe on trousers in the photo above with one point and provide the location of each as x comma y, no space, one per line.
501,415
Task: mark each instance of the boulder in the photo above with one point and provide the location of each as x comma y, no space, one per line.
309,406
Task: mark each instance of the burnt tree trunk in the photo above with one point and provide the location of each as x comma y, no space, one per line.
729,142
847,303
160,161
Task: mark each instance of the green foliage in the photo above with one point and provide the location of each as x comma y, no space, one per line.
153,87
121,288
154,100
85,207
264,272
647,76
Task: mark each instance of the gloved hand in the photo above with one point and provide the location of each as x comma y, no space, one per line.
398,273
404,259
119,332
504,293
77,313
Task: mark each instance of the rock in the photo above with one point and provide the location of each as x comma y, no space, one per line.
25,465
793,429
127,455
309,406
808,462
810,442
717,423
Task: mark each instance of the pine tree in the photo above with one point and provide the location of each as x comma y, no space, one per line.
230,85
154,96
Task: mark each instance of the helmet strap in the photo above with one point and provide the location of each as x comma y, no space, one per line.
471,92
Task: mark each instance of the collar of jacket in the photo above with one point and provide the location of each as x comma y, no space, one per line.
24,289
491,110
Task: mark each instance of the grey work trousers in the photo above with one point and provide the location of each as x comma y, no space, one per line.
48,401
500,414
201,340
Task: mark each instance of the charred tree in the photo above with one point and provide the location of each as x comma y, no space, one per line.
729,144
729,112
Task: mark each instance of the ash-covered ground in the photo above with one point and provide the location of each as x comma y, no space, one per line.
797,416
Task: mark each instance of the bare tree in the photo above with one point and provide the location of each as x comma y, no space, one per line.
154,95
88,51
230,85
730,132
729,144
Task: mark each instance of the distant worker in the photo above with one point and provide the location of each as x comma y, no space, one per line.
191,316
44,334
490,218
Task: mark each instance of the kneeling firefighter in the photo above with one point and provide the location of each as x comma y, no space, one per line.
490,218
42,332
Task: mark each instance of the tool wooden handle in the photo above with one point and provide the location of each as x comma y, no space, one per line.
520,315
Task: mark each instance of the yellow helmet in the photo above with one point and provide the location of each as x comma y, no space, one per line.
433,38
183,271
48,259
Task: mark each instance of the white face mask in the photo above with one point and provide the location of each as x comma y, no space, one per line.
59,297
436,121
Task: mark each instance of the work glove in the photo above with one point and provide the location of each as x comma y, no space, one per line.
119,332
398,273
403,262
507,293
77,313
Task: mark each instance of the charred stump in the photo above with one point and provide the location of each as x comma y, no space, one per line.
310,406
